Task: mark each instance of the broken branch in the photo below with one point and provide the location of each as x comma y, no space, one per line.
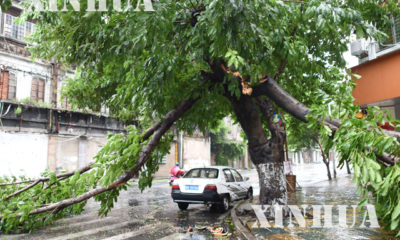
283,99
60,176
162,128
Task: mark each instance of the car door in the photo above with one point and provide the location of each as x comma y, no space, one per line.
231,184
242,186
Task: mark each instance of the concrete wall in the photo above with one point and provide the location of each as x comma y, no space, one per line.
72,152
23,153
196,152
31,153
164,168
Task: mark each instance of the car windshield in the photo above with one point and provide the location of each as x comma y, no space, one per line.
202,173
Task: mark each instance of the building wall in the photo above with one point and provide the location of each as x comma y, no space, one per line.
23,153
71,152
197,152
30,153
380,79
164,168
25,69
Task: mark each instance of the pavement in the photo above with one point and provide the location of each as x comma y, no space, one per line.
314,191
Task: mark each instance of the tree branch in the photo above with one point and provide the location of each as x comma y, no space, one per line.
63,176
294,107
282,98
163,127
24,189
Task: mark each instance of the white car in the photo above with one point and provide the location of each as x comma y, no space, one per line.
216,185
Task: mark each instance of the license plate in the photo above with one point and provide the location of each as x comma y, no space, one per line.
192,187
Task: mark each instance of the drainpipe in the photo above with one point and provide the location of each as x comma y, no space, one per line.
180,150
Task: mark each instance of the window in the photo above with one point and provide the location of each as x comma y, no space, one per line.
202,173
12,86
37,90
237,175
228,176
164,160
17,31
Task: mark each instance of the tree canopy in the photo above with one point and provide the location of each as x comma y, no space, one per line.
202,56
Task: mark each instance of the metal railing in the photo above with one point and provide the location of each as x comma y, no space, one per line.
394,36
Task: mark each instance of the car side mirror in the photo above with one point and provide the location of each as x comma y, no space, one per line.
246,179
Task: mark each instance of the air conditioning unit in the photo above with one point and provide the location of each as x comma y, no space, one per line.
359,47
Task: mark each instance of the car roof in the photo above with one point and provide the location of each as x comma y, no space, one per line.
217,167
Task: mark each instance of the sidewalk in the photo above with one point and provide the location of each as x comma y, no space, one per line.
340,191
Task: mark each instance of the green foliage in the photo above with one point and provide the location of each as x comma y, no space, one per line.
18,110
356,140
5,4
30,101
222,148
40,195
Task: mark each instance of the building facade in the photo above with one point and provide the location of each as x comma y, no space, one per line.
378,67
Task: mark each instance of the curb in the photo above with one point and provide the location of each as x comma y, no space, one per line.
240,229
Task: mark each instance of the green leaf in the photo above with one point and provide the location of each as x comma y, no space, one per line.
396,212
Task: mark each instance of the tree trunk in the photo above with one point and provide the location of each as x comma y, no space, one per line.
266,154
325,158
348,167
334,163
326,161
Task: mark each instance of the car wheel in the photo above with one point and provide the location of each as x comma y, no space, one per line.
183,206
214,208
224,204
249,194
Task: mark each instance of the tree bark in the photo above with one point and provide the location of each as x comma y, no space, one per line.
266,154
334,163
324,158
348,167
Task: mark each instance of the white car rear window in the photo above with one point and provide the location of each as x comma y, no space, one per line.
202,173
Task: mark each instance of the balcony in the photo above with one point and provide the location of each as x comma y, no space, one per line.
367,50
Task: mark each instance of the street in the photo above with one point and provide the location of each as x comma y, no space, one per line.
153,215
148,215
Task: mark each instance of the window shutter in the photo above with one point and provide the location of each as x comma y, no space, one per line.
12,86
34,95
41,91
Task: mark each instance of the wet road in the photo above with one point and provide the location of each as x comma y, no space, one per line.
148,215
340,191
153,215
